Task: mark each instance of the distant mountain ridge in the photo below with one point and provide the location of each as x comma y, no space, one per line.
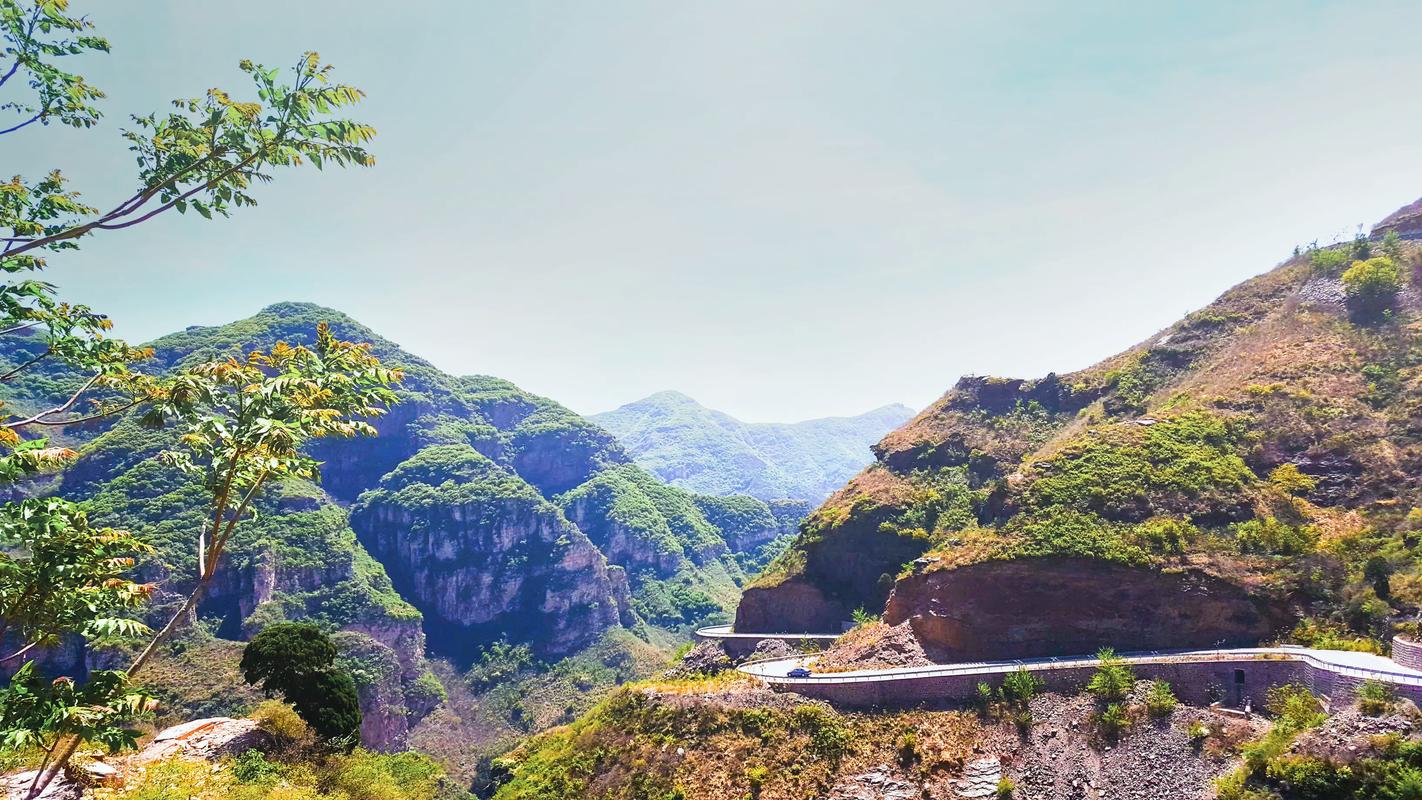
710,452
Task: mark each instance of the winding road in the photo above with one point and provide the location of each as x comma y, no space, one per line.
1332,671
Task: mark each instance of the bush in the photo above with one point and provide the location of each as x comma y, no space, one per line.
1005,787
1020,686
498,662
1371,286
1112,720
1160,700
1310,778
281,721
1114,678
1294,706
1269,536
1164,535
985,698
1288,479
862,617
1329,262
253,767
1376,699
1197,733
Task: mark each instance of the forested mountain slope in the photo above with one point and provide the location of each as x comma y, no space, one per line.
703,450
1253,469
480,514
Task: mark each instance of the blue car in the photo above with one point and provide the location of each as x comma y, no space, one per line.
798,672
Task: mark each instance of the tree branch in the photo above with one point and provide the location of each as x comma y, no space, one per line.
17,370
60,409
36,118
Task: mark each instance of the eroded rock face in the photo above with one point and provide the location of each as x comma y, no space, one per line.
792,606
505,566
1045,607
1406,221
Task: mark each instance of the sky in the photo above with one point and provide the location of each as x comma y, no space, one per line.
783,209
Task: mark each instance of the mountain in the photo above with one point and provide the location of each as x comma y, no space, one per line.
481,514
1252,471
707,451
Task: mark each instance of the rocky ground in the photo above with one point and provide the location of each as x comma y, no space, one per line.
1349,734
874,646
204,739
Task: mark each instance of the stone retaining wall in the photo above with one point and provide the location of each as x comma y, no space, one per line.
1232,682
1406,652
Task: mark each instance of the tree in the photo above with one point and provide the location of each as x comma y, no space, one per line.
1378,572
246,424
204,154
1371,286
297,661
1114,679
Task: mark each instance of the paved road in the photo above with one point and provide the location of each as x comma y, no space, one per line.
725,632
1357,665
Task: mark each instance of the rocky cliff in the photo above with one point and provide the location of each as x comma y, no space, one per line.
1251,466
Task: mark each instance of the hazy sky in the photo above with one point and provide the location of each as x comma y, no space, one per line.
783,209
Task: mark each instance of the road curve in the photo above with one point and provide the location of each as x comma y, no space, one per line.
724,632
1364,666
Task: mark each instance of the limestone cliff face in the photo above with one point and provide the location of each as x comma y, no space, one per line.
1049,606
486,557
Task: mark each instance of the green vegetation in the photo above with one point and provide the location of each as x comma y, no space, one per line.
1329,262
1114,678
1131,472
1376,699
297,661
1295,709
1160,699
1372,286
204,155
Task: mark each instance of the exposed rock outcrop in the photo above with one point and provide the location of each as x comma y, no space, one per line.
486,557
1047,606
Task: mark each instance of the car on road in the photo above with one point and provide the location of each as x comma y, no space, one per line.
798,672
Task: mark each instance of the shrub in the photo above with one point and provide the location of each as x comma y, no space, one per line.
1005,787
1197,733
1164,535
985,698
829,738
252,766
1294,706
1269,536
862,617
1310,778
1160,700
1020,686
908,748
497,663
281,721
1113,719
1376,699
1329,262
363,775
1288,479
1378,571
755,778
1371,286
1114,678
